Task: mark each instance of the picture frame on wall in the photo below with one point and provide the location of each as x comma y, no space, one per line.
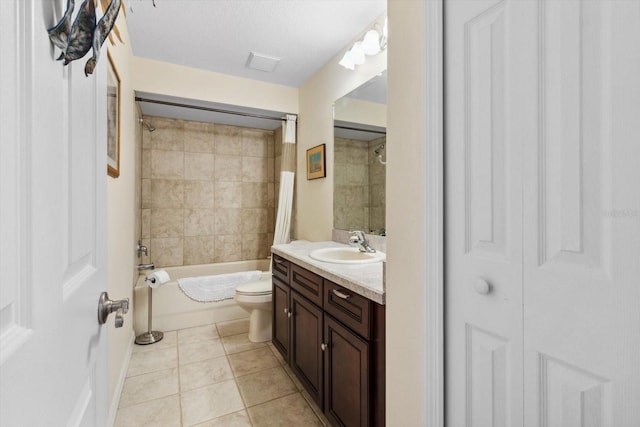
113,119
316,162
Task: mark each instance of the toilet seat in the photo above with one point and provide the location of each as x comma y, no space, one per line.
257,288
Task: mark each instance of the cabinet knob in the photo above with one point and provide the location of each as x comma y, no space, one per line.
482,286
286,311
323,346
289,314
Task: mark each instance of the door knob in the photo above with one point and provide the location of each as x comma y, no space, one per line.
107,306
482,286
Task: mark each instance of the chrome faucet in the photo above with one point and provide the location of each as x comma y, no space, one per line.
358,239
142,249
146,267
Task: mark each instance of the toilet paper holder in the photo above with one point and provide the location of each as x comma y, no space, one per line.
151,337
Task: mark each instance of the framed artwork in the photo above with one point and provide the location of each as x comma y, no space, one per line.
316,162
113,119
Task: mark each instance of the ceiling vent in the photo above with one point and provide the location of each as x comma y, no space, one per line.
257,61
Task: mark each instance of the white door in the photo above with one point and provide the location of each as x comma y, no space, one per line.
582,217
542,103
53,366
483,234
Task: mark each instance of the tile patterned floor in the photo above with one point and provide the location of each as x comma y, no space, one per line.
213,376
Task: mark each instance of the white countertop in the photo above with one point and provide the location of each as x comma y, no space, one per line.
364,279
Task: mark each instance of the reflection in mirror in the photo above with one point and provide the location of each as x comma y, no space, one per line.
360,158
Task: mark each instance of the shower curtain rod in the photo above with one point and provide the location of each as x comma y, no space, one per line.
361,130
213,110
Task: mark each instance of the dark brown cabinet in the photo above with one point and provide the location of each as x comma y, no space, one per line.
346,380
306,341
333,339
281,314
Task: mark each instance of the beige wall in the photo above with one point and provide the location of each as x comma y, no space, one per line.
175,80
208,192
358,111
406,216
314,199
121,213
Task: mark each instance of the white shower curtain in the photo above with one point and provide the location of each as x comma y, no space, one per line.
282,232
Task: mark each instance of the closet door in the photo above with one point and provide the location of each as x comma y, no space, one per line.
582,216
490,62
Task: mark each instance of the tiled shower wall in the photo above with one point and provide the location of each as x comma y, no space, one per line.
359,192
208,192
377,186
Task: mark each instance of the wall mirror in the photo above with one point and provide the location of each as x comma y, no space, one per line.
360,120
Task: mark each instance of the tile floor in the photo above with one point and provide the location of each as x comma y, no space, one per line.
213,376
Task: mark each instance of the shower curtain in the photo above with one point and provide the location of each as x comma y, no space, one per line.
282,232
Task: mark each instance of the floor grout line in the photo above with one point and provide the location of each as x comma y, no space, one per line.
296,390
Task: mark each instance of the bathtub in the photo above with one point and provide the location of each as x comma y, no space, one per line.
172,309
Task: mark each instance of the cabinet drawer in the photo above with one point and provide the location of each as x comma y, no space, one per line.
353,310
308,284
281,268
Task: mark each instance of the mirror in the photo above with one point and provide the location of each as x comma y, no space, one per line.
360,120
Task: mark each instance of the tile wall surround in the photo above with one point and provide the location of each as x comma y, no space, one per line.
359,192
208,192
377,186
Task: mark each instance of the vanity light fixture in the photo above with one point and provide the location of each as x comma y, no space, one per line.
371,43
374,41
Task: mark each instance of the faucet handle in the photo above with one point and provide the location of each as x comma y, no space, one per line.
359,240
142,249
355,238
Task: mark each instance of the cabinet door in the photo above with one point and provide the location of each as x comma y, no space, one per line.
306,337
346,382
281,318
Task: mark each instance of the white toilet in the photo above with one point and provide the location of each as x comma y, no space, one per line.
255,299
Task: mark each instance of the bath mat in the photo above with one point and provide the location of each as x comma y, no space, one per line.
218,287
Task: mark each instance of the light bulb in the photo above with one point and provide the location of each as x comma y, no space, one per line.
371,43
347,61
357,54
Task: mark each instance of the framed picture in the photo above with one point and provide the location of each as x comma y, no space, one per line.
113,119
316,162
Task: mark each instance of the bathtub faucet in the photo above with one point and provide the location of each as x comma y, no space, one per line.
142,249
142,267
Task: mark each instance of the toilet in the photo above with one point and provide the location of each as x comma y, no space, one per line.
255,299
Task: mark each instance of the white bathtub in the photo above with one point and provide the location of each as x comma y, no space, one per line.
172,309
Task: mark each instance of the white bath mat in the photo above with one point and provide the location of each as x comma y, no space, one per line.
218,287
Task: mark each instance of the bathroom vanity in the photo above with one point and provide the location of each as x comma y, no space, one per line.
328,324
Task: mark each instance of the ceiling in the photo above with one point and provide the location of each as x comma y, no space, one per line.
219,36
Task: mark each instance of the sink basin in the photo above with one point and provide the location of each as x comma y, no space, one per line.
346,256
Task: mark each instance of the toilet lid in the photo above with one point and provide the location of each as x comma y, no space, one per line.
260,287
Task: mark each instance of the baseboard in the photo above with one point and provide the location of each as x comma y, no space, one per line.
113,407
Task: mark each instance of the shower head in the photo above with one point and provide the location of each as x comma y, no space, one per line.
379,155
146,125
